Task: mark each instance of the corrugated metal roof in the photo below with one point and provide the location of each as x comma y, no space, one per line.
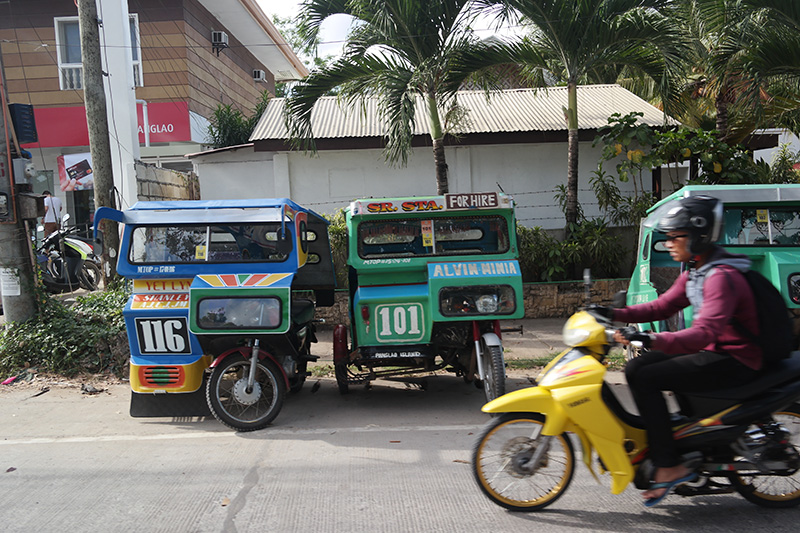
511,110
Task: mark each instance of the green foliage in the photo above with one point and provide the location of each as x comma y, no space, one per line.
229,126
589,245
718,162
337,233
88,336
782,169
621,210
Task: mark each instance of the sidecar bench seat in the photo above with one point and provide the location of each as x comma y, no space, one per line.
302,310
786,370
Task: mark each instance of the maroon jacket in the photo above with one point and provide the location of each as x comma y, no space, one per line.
723,294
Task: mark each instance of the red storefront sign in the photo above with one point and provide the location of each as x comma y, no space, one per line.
66,126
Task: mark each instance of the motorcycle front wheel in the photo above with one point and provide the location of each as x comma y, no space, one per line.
90,276
502,466
494,371
776,491
236,407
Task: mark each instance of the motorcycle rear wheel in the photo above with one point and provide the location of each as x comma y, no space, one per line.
90,276
500,463
775,491
231,404
494,371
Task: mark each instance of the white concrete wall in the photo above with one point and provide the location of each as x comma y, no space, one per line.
235,174
331,179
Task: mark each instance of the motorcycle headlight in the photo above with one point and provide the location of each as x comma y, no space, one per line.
477,300
574,336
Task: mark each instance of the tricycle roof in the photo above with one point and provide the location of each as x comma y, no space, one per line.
216,211
431,204
734,194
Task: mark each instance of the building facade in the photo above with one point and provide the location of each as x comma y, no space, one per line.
186,58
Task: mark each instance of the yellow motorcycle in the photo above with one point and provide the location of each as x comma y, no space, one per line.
743,440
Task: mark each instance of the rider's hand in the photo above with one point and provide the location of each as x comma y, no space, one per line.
603,311
631,334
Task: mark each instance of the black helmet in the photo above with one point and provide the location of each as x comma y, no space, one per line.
699,216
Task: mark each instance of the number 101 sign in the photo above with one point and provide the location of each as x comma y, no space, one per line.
399,322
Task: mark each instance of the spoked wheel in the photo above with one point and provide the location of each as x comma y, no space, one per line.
235,406
340,369
90,276
494,371
503,466
776,491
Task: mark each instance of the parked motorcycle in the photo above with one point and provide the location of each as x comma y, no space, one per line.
67,262
741,440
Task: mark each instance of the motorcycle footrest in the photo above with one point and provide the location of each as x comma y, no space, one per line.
710,487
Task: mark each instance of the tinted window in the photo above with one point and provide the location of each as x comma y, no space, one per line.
212,244
439,236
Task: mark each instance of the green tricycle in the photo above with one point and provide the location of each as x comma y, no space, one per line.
430,278
760,221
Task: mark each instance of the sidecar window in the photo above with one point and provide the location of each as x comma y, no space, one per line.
226,243
439,236
239,313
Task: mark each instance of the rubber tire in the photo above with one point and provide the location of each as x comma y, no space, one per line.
774,501
90,276
300,379
340,370
267,372
481,455
494,371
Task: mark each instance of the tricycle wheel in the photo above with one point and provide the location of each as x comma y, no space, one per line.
236,407
300,378
494,372
340,369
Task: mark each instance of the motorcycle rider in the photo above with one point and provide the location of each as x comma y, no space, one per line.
712,353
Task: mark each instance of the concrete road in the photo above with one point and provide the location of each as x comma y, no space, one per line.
393,458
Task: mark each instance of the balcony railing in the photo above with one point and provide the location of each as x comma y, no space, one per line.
72,77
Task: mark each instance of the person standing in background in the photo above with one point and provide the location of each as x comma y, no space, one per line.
52,213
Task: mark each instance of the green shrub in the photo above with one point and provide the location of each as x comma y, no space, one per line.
88,336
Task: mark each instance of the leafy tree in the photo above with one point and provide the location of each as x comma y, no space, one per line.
229,127
576,41
400,50
306,50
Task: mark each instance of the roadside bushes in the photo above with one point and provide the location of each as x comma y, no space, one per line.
88,336
589,245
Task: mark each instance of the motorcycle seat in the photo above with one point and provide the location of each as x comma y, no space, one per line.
782,372
302,310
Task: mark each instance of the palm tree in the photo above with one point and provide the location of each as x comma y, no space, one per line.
575,41
399,50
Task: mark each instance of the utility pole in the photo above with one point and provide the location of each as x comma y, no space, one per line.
16,270
96,118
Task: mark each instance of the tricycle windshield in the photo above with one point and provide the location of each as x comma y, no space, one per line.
466,235
239,313
206,244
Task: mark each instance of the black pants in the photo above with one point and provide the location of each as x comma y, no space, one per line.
654,372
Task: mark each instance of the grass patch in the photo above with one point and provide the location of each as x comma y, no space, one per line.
615,361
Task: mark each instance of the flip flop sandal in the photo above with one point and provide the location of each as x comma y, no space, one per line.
669,485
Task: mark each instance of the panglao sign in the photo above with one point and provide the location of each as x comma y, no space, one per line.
167,122
66,126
